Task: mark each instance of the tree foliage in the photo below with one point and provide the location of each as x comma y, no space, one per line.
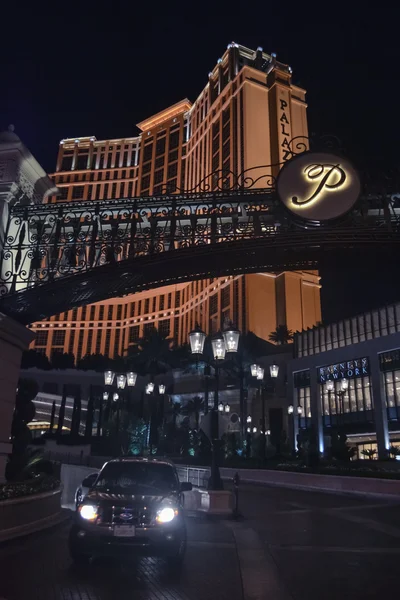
21,437
281,335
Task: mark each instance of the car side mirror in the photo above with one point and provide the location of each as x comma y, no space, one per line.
186,486
89,480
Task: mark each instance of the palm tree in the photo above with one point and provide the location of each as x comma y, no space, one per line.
153,354
369,453
194,407
281,335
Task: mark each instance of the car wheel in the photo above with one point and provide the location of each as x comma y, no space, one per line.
175,562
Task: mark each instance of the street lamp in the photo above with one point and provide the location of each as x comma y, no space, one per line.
197,337
299,410
227,408
121,382
254,370
274,371
149,387
220,344
249,419
161,389
254,429
115,396
231,338
131,378
258,372
109,377
290,409
218,347
105,396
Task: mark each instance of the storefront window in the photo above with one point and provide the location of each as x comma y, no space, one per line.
351,403
392,392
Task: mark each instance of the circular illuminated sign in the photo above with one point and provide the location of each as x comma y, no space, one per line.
318,186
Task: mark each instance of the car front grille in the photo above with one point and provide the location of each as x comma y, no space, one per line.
126,515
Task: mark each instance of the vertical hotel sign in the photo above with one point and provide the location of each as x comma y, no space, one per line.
284,125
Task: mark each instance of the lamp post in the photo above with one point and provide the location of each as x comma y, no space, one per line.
339,396
122,379
221,343
258,372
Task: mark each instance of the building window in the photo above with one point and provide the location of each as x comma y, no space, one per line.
64,193
162,299
101,313
81,162
225,296
177,299
77,192
350,406
148,151
116,344
160,146
213,304
159,162
107,345
134,334
41,338
98,341
71,342
174,140
92,312
89,342
147,305
119,311
80,344
58,338
392,389
164,327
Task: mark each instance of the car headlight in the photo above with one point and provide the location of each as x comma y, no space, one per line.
166,515
88,512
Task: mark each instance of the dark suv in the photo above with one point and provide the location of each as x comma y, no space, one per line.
133,508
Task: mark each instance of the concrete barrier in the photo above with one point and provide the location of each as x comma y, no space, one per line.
311,481
21,516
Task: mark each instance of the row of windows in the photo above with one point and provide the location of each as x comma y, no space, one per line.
98,160
97,176
98,191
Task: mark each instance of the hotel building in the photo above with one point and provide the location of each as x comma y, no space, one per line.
243,120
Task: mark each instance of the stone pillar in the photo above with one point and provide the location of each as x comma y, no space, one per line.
380,412
316,409
293,423
14,339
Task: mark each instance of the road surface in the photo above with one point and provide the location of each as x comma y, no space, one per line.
290,545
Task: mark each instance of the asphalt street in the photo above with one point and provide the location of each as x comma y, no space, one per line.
289,545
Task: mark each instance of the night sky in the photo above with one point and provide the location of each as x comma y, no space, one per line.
94,68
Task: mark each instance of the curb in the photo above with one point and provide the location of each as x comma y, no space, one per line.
29,528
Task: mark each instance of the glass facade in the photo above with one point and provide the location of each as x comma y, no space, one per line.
346,406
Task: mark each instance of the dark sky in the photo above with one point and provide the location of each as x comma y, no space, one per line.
94,68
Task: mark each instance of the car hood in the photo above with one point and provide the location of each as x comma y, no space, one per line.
118,499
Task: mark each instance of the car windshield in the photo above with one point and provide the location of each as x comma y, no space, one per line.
137,477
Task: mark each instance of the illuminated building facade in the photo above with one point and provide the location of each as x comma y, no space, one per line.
242,121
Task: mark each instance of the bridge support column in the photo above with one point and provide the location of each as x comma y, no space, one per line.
14,339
